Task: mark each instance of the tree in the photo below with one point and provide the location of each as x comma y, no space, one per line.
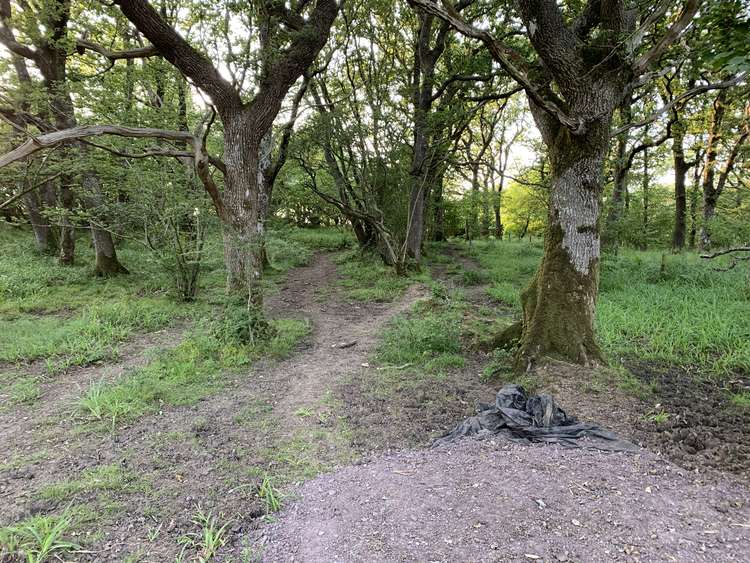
245,201
49,54
713,185
289,39
589,59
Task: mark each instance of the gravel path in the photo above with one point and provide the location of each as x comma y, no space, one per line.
483,501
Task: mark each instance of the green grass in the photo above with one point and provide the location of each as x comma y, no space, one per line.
682,313
194,369
290,247
38,539
210,536
740,399
101,478
366,278
430,337
65,317
269,494
25,391
86,337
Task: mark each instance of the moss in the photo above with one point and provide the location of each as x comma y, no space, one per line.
558,310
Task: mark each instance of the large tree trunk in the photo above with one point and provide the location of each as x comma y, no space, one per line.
46,242
559,304
425,59
681,169
106,263
246,204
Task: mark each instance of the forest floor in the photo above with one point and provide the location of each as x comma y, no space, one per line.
335,436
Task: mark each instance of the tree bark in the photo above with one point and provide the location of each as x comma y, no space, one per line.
681,168
425,59
243,208
559,304
710,196
438,229
46,241
246,205
645,187
620,179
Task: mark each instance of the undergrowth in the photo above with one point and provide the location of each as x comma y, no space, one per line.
675,309
366,278
39,538
194,369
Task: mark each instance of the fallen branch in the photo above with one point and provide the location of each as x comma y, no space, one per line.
727,251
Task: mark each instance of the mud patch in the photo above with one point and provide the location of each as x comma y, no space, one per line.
395,409
696,425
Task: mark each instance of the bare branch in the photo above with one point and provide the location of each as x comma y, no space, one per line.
41,142
508,59
140,53
672,35
680,99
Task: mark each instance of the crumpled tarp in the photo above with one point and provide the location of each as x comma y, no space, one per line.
535,418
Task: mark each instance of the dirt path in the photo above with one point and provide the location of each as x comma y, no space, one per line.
344,336
279,419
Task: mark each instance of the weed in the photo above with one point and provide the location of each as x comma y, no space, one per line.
183,375
100,478
304,413
98,404
657,415
38,539
211,536
418,339
366,278
26,391
474,277
270,495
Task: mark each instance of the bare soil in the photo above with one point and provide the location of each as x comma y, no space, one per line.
499,501
703,428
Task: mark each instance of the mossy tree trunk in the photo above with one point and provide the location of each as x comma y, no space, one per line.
559,304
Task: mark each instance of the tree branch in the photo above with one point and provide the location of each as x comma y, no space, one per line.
181,54
673,34
41,142
508,59
140,53
679,99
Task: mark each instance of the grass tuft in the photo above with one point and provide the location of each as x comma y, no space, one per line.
38,539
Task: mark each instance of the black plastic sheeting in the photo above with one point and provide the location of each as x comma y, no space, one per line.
535,418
